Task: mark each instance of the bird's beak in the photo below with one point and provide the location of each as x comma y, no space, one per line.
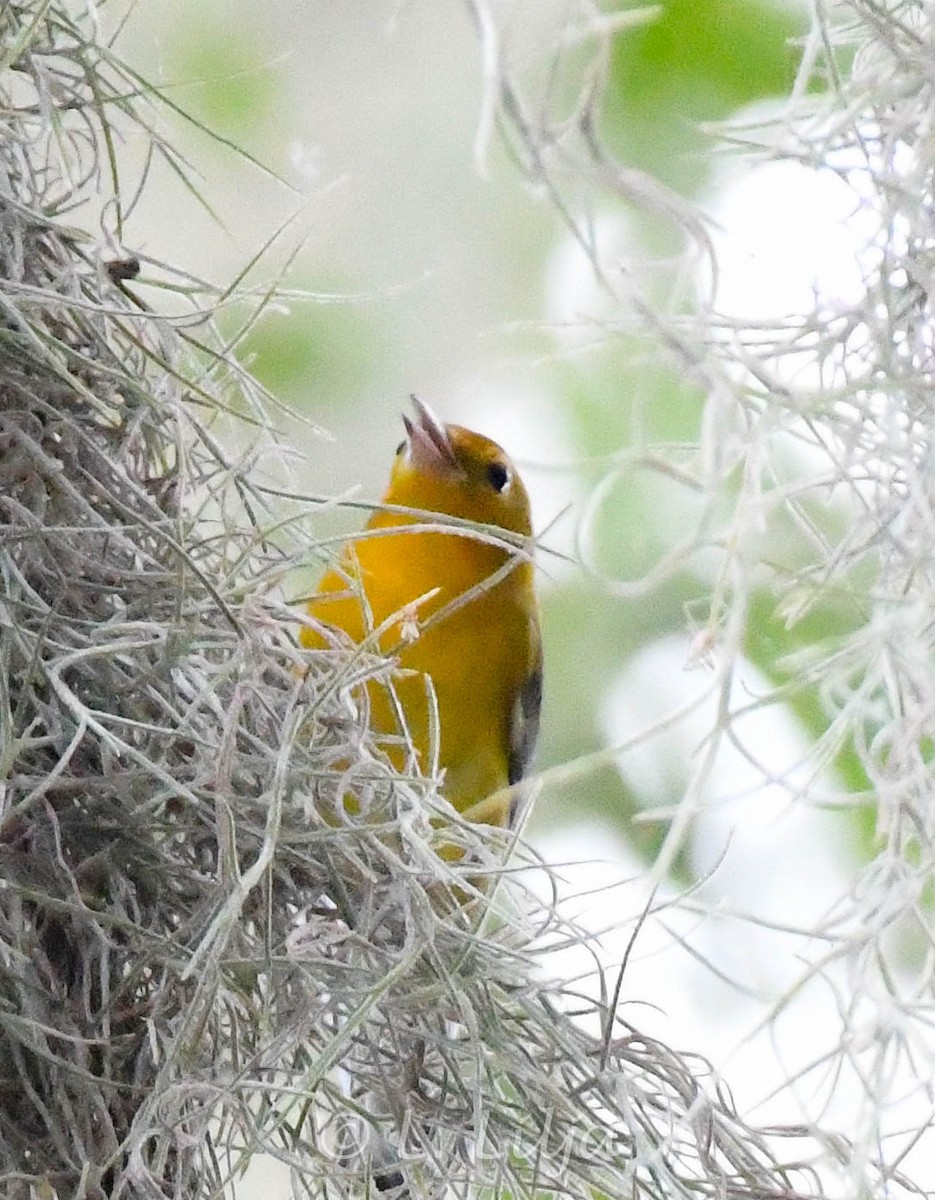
430,447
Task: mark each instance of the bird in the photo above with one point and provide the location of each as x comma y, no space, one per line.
442,580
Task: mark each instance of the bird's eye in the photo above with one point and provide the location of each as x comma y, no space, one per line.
401,447
498,476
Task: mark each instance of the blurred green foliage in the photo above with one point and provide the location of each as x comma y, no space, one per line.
234,89
773,645
317,353
632,402
698,62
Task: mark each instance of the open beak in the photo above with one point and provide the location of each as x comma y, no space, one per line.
430,447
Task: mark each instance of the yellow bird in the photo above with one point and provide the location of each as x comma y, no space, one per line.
453,603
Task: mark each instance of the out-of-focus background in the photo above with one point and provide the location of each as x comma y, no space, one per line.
418,256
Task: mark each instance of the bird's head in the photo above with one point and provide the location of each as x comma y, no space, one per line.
449,469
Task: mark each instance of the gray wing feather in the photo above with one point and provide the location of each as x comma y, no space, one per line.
524,728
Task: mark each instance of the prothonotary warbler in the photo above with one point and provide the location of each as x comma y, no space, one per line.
455,604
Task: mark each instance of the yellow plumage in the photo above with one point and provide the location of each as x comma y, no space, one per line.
459,609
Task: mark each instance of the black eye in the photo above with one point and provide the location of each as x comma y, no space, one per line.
498,476
400,448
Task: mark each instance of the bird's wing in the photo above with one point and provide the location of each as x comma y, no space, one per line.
524,724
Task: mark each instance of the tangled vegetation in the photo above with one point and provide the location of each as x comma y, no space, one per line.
199,963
